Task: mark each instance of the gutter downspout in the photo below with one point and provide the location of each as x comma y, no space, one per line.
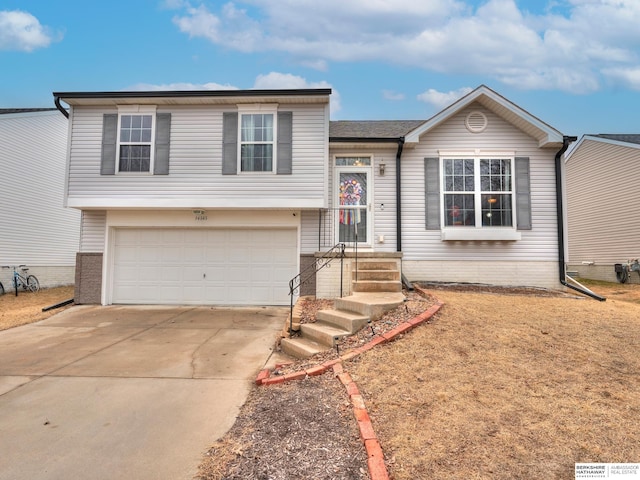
405,281
566,141
60,107
398,195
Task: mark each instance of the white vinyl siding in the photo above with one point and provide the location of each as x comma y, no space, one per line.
35,228
419,244
309,231
603,197
195,178
384,202
93,231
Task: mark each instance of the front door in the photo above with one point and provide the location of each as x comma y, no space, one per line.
353,199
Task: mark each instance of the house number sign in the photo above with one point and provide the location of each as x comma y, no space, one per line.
200,215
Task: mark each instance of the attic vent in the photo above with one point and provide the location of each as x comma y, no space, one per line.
476,122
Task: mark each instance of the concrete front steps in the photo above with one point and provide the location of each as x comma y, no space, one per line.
376,289
376,276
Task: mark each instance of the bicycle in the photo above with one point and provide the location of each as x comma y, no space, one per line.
28,282
623,270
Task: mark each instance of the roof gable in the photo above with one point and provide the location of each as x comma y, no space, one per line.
620,140
546,135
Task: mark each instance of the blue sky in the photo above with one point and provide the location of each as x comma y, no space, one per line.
575,64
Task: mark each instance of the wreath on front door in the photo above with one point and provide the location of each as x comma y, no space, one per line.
350,194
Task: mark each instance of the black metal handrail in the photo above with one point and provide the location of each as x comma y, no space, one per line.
337,251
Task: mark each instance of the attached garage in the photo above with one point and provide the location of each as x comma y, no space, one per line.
200,266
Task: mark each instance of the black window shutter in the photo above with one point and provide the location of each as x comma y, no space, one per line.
285,135
229,143
432,193
523,193
163,137
109,140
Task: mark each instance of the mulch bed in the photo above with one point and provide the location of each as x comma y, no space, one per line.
299,430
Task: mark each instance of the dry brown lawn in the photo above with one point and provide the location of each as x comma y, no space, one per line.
27,306
509,386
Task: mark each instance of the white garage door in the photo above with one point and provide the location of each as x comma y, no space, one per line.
204,266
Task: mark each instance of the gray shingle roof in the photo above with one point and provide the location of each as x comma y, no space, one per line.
391,129
628,138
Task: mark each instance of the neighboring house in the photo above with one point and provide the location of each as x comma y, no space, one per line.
603,200
224,196
35,228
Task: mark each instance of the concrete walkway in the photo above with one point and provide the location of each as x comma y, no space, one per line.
126,392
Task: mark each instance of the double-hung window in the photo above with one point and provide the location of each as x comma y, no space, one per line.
478,192
135,140
257,139
472,196
257,144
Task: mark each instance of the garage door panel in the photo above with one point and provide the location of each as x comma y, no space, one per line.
147,274
126,253
204,266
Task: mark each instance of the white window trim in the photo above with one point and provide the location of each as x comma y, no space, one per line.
478,232
137,110
262,108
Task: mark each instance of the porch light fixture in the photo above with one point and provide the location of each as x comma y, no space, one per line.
382,167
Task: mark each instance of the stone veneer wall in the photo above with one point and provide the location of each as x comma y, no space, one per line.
88,278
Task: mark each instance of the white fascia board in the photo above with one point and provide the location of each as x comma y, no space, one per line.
188,202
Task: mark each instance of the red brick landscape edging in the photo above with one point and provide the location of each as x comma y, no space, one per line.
375,455
264,377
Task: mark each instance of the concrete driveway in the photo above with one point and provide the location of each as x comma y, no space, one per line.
126,392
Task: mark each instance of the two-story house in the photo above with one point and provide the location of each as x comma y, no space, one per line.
221,197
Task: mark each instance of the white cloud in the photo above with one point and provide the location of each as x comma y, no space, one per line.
441,100
391,95
269,81
168,87
628,77
569,46
22,31
232,28
276,80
